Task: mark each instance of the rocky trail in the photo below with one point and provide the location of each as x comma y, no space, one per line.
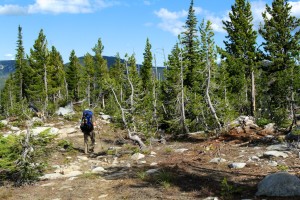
227,167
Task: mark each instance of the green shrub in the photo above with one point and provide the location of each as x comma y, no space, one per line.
227,190
262,122
24,164
165,178
2,125
67,145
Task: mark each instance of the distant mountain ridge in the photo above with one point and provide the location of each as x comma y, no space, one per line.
8,66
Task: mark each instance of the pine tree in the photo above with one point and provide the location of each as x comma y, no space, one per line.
240,54
38,68
173,92
147,82
281,35
190,41
56,77
209,55
146,68
90,71
8,96
72,74
20,64
101,77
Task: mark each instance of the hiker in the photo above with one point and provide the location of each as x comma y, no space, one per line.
87,127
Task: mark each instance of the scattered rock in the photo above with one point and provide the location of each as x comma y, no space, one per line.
73,174
254,158
237,165
67,110
51,176
98,170
211,198
103,196
281,184
275,153
4,122
181,150
217,160
137,156
152,171
38,130
269,129
273,163
278,147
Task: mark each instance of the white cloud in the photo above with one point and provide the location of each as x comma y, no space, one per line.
12,10
9,56
295,8
58,6
171,21
100,4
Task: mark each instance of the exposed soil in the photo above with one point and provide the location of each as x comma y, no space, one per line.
182,175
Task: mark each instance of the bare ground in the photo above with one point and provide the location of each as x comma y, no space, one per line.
186,175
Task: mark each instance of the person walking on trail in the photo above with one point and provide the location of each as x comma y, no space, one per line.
87,127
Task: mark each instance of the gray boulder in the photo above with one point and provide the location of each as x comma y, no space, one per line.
67,110
281,184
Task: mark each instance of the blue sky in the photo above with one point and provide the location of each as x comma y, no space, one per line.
122,25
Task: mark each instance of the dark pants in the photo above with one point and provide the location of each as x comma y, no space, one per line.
86,138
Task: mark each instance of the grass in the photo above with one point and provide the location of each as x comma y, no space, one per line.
164,178
142,175
168,150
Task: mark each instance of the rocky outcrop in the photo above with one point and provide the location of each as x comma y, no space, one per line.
281,184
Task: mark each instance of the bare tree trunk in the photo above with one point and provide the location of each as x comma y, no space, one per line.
253,105
89,92
212,109
103,102
11,98
66,85
132,137
21,80
183,118
155,96
46,88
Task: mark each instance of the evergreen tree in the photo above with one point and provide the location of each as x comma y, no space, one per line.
8,96
90,71
38,67
147,81
171,91
56,77
20,65
101,77
281,35
209,55
72,74
146,68
190,42
116,73
240,54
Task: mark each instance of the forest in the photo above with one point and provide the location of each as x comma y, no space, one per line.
203,88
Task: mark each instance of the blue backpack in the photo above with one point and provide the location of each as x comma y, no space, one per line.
86,121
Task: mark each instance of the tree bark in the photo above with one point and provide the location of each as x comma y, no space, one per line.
253,105
46,87
183,118
212,109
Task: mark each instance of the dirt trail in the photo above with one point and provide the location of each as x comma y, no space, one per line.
182,175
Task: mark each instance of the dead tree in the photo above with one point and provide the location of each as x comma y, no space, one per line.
130,130
212,109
